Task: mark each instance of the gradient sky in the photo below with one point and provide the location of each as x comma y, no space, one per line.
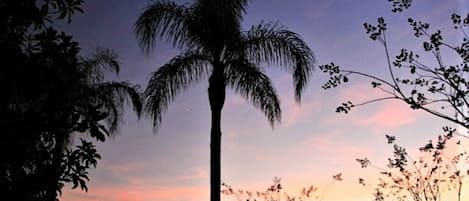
311,144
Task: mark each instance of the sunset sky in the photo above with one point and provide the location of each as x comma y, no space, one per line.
312,143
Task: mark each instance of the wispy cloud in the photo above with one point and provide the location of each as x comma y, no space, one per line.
332,145
294,112
392,114
125,167
385,114
360,92
138,193
139,186
194,174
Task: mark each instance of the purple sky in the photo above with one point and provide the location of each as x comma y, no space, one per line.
311,144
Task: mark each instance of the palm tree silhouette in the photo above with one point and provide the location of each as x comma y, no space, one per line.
214,46
108,97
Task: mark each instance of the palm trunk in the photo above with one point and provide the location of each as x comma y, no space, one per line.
216,94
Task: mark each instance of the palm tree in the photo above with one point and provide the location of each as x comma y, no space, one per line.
214,46
97,109
108,97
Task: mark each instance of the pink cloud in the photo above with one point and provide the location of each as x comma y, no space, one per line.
385,114
139,189
138,193
294,113
341,151
125,167
195,173
360,92
392,114
133,173
330,145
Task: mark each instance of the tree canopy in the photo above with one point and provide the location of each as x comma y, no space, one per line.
51,93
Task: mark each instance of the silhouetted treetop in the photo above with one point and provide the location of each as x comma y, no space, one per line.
440,88
51,94
214,46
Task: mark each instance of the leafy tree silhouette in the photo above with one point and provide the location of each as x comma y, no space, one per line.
275,192
213,45
440,89
436,175
50,94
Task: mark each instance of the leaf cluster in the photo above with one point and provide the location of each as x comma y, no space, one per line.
400,5
275,192
440,89
50,94
435,173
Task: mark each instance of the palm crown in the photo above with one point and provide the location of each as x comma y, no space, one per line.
214,46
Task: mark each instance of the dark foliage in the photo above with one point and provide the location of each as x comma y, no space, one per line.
276,192
437,175
50,94
439,88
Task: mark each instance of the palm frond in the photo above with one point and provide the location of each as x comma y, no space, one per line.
235,8
247,79
216,23
101,60
162,20
238,7
273,44
170,79
113,96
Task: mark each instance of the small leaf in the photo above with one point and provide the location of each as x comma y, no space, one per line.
345,79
